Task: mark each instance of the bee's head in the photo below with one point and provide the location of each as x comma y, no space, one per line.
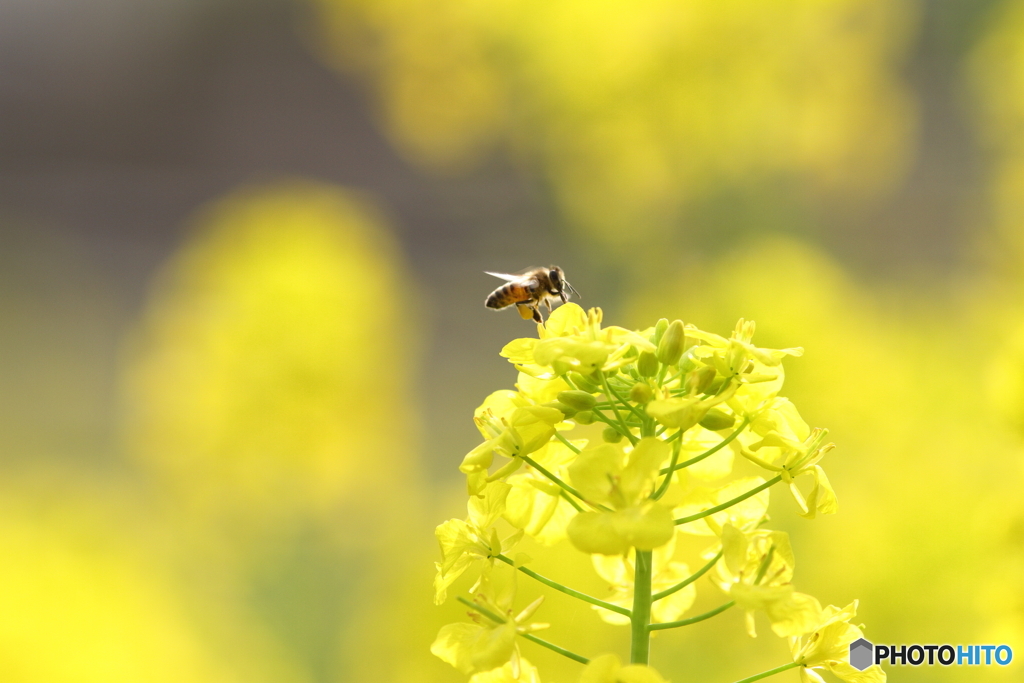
555,274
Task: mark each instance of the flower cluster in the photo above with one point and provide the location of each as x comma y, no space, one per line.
620,443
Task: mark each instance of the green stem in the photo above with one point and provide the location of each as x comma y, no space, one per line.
647,428
601,417
565,487
566,442
771,672
692,620
668,476
686,582
730,503
640,620
529,636
554,648
540,468
711,451
615,409
608,387
565,589
569,499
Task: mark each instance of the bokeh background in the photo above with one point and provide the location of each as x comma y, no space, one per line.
241,331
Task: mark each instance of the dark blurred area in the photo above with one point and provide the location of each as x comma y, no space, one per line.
120,118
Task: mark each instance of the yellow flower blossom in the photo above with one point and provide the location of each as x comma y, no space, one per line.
574,341
756,571
513,425
608,669
465,543
799,458
606,476
673,406
827,646
490,642
506,674
739,346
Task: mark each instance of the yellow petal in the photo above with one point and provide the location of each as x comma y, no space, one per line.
638,673
519,351
527,674
845,672
454,644
641,471
644,527
593,471
487,507
794,616
566,319
681,413
594,532
601,670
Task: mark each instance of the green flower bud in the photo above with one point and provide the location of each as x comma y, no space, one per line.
584,417
670,348
641,393
717,419
563,408
687,363
659,330
584,382
699,381
580,400
611,435
647,364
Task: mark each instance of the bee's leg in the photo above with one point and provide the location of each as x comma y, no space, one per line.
547,302
526,311
537,317
563,296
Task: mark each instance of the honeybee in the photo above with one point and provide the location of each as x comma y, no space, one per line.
529,290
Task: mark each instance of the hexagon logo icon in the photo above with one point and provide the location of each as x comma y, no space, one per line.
861,654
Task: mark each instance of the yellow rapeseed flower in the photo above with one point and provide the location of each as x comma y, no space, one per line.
756,571
490,642
605,475
827,647
608,669
468,542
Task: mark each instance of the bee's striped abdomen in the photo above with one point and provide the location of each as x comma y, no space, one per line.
506,295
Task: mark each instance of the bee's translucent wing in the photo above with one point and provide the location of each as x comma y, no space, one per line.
505,276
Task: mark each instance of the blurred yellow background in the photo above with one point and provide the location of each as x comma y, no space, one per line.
242,326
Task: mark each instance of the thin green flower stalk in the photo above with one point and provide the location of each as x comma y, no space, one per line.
621,443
